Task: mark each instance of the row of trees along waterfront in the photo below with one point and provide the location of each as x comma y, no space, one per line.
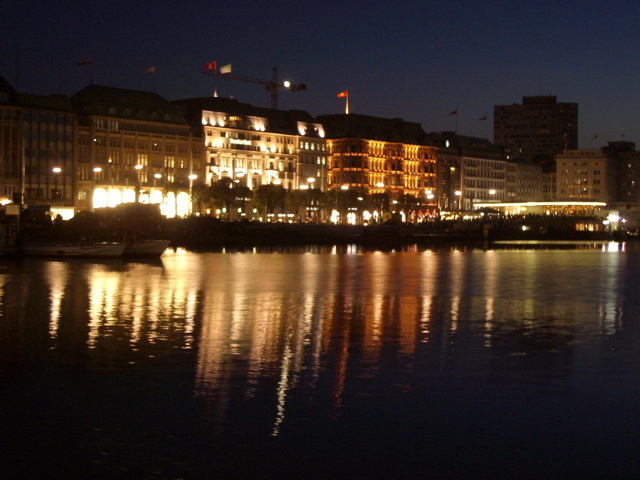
232,201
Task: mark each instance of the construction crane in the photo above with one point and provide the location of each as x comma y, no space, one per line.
272,85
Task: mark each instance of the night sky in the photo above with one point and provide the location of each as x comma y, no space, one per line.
417,60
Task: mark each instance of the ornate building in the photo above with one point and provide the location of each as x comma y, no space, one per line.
257,146
376,155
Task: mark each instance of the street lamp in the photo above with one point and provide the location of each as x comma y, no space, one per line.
192,177
138,182
459,195
56,192
342,187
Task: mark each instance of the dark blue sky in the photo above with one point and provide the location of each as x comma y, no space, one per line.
415,60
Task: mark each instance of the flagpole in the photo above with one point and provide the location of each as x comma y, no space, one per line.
486,122
455,112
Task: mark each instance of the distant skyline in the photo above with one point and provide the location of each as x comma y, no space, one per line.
418,60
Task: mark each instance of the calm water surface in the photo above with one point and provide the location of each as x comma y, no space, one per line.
509,363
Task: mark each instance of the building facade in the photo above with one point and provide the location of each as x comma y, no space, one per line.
587,175
10,143
540,128
134,146
470,170
257,146
374,156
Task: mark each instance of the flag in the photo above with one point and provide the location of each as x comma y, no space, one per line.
482,118
225,69
150,71
455,112
564,137
344,94
594,137
210,66
86,61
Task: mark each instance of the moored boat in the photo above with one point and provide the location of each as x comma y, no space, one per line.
92,250
146,248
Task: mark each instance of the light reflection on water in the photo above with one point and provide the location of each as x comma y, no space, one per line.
280,344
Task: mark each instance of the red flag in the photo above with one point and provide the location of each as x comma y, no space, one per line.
210,66
482,118
344,94
455,112
594,137
564,137
86,61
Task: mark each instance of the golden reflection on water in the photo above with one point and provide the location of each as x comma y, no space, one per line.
296,318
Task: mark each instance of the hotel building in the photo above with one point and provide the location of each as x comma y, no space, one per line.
256,146
375,155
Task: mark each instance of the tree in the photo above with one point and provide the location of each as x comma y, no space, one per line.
201,196
297,201
222,195
269,197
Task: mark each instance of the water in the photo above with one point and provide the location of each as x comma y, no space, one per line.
324,363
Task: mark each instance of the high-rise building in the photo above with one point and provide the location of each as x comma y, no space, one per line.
538,129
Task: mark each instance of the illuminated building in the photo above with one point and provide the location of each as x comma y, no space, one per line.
523,181
37,149
375,155
101,147
470,170
10,143
586,175
540,128
256,146
134,146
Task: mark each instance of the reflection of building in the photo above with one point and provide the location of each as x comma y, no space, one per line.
539,128
373,155
470,170
257,146
133,146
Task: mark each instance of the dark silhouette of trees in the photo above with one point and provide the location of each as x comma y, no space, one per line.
269,197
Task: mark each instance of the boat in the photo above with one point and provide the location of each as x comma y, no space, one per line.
146,248
91,250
